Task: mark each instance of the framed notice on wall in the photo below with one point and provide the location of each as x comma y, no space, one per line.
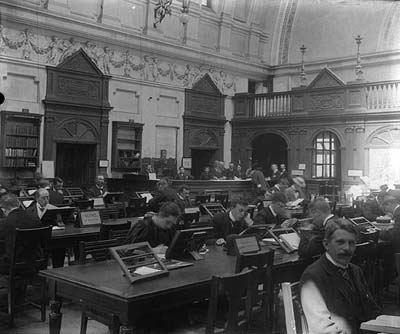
187,163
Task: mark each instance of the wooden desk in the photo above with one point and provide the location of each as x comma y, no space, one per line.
101,287
383,324
71,235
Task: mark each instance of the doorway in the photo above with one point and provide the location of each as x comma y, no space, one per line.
76,163
268,149
200,159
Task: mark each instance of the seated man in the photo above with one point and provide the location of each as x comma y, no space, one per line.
183,199
232,222
230,172
56,192
158,230
311,236
275,213
41,204
334,294
391,207
99,188
163,194
15,217
206,174
183,175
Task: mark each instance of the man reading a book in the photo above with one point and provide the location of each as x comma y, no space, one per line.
232,222
158,230
334,294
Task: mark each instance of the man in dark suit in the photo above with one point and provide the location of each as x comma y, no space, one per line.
183,175
232,222
183,199
334,294
158,230
163,194
275,213
15,217
99,189
56,192
312,236
391,207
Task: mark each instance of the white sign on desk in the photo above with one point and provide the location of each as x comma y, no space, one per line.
354,172
90,218
297,172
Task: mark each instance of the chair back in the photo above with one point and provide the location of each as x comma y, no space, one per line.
29,253
137,207
366,257
97,249
108,213
118,234
295,319
105,228
234,287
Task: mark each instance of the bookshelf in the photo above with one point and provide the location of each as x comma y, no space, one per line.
20,139
127,146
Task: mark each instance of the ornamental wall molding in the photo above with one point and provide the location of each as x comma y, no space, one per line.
128,63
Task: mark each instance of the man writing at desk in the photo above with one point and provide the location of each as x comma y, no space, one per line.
232,222
99,189
158,230
334,294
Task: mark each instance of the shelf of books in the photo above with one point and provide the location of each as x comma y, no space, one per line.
20,140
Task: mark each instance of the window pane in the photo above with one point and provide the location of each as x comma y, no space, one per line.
325,155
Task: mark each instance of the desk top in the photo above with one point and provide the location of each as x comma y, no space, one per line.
72,231
107,276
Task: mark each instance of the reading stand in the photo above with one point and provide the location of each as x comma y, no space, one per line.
287,238
212,208
57,216
188,243
138,261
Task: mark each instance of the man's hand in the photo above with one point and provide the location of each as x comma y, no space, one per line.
160,249
220,242
248,220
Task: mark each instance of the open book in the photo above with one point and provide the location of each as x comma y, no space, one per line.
291,240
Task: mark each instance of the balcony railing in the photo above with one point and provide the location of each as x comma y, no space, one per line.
272,105
383,95
352,97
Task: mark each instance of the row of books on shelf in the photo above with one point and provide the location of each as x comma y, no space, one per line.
20,152
18,129
11,162
21,141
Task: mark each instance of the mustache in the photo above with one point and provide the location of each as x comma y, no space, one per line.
345,253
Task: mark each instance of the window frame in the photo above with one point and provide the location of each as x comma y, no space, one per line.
329,154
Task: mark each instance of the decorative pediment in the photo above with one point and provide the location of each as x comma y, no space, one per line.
80,62
206,85
204,138
326,79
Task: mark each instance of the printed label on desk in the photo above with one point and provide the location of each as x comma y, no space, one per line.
89,218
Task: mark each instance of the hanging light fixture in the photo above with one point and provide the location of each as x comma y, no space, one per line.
359,71
302,76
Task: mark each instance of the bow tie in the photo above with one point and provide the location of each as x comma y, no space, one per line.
41,208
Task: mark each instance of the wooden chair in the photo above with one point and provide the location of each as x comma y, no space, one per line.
97,249
263,296
99,252
24,268
295,320
118,234
366,257
234,287
136,207
108,213
105,228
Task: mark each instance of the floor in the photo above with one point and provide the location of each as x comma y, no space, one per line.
28,322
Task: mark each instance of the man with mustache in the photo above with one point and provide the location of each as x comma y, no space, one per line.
334,293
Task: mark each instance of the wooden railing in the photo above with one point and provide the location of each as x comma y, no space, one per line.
383,95
271,105
353,97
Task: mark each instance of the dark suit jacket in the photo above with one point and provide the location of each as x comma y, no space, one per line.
146,230
351,301
224,226
311,241
17,218
183,203
265,216
95,191
55,197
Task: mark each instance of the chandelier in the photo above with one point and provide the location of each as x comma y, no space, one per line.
163,7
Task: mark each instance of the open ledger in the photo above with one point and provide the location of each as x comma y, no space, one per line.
383,323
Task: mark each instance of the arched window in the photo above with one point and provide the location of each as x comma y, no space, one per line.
326,156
